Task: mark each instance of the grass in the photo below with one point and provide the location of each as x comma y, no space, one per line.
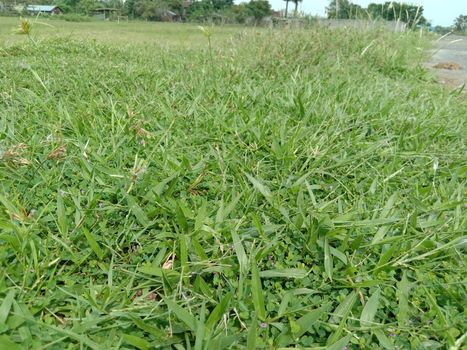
154,34
286,189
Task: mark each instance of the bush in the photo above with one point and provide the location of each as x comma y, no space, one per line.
74,17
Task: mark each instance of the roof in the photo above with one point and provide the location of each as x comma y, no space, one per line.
41,8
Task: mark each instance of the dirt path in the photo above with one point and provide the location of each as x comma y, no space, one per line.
449,60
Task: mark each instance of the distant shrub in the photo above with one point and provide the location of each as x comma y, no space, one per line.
74,17
8,12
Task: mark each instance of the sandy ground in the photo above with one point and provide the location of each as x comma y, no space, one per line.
449,60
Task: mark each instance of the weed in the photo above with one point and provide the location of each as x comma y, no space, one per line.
25,26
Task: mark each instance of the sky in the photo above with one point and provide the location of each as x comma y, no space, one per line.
438,12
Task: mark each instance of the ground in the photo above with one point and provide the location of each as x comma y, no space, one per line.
449,59
175,187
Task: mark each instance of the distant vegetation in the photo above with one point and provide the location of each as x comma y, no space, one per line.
163,10
459,26
390,11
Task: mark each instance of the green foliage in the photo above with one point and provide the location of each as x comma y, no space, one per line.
344,9
223,11
73,17
442,30
460,24
239,13
393,10
86,7
274,191
258,9
389,11
151,9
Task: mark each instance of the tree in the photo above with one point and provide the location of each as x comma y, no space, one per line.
239,12
286,7
442,30
296,5
130,7
389,11
344,9
258,9
337,8
200,10
460,24
86,7
68,5
395,11
375,11
221,4
205,9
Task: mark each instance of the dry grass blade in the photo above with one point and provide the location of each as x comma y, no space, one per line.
57,153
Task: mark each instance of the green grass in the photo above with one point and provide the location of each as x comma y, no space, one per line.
289,189
153,34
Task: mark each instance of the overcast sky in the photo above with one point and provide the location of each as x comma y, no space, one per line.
439,12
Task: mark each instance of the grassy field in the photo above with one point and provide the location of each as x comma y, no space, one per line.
155,34
275,189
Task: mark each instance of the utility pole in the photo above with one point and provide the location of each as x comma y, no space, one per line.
337,9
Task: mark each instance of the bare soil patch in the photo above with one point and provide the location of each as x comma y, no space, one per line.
448,66
449,60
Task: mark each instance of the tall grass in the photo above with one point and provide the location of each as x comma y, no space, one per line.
25,26
307,192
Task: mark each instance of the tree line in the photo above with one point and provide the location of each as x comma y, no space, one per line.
389,11
201,10
156,10
228,12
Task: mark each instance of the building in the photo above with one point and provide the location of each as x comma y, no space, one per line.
170,16
105,13
45,9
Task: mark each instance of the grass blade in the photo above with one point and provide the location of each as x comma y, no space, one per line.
137,342
12,210
284,304
369,310
61,216
257,291
156,332
307,321
240,252
344,308
184,258
200,329
403,296
328,263
137,211
251,339
218,311
6,306
383,340
284,273
340,344
157,271
264,190
6,343
93,243
182,314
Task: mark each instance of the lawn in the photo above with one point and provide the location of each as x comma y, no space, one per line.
165,187
153,34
